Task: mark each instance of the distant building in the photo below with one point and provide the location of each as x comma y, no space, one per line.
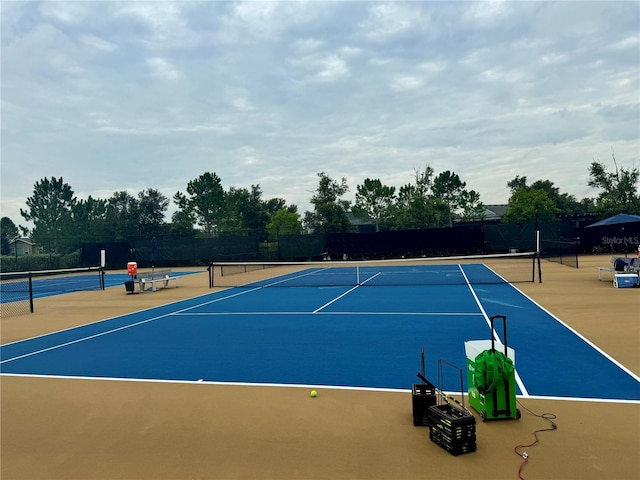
490,214
494,212
22,246
361,224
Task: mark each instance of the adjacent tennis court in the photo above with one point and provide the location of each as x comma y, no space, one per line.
14,287
359,327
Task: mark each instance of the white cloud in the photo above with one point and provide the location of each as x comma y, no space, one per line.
97,43
65,12
402,83
248,156
162,68
390,19
307,45
434,66
487,13
274,92
241,103
332,68
554,58
630,42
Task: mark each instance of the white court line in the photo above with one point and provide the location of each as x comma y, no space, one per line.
584,339
285,280
60,345
493,333
300,385
182,312
124,327
317,310
345,293
420,314
132,313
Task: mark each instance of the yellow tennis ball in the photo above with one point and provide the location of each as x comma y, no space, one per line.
314,393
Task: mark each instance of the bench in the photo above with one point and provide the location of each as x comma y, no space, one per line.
605,269
609,269
630,266
162,277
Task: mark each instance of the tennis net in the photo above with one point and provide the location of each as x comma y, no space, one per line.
562,252
476,269
19,289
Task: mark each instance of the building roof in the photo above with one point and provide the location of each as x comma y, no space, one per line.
27,241
494,211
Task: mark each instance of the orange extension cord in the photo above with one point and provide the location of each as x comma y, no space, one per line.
550,417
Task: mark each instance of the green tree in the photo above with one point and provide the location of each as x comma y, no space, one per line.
565,203
273,205
452,192
284,222
8,232
182,223
245,212
471,206
447,187
415,205
89,218
517,183
152,206
49,208
122,215
330,211
619,189
530,204
375,201
204,201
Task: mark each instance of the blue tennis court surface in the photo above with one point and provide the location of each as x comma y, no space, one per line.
48,286
352,336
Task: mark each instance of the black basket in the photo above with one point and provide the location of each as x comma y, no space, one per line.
454,447
451,420
450,426
423,396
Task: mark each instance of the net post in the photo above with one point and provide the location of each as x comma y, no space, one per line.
31,292
536,258
357,273
210,270
539,269
533,267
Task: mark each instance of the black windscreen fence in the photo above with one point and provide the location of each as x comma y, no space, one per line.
176,251
300,247
406,243
171,251
469,239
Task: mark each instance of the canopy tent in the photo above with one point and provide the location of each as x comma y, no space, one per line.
619,219
620,233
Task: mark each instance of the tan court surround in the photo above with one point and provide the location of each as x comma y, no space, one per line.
91,429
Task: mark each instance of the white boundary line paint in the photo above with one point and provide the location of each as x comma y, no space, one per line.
181,312
579,335
317,310
285,280
418,314
124,327
299,385
60,345
344,294
134,313
519,381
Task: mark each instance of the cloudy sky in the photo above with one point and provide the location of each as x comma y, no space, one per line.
132,95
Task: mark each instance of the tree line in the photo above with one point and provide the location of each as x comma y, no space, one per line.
61,221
